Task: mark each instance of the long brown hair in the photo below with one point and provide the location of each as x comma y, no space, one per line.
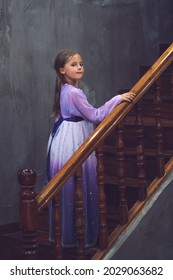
61,59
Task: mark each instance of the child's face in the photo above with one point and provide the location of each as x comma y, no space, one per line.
73,70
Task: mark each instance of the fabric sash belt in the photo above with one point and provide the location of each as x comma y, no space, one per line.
54,130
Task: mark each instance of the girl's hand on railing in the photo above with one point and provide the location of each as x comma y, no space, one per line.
128,96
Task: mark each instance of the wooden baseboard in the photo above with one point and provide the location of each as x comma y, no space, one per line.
9,228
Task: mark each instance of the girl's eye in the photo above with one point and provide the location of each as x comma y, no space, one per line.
75,64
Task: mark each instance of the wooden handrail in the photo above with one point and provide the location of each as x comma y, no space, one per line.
102,131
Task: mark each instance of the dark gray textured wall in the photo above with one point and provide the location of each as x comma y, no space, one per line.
153,235
114,38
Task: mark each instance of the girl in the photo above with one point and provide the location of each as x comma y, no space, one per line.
74,122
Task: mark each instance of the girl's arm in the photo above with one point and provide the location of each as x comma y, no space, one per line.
80,106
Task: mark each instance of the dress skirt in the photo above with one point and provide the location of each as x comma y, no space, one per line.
68,138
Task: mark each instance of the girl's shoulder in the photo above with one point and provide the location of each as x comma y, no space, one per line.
71,89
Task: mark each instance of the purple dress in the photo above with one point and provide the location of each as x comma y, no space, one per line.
68,138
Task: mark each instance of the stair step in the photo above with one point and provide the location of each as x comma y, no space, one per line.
130,166
147,109
148,121
144,68
128,181
166,98
11,245
11,248
149,133
132,151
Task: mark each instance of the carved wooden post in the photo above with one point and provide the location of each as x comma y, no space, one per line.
28,213
121,175
57,228
142,189
103,230
79,213
159,132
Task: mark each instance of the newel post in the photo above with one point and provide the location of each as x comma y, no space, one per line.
28,213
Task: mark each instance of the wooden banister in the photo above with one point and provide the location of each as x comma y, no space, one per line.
102,131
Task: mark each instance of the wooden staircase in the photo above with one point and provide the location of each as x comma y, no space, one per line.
132,156
132,136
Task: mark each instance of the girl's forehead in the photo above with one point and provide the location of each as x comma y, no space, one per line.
75,57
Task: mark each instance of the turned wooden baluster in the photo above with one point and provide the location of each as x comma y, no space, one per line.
171,80
142,189
79,213
123,208
57,228
160,159
28,214
103,230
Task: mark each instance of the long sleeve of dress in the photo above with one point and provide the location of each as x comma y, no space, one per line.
80,106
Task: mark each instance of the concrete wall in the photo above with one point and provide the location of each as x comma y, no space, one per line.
114,38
